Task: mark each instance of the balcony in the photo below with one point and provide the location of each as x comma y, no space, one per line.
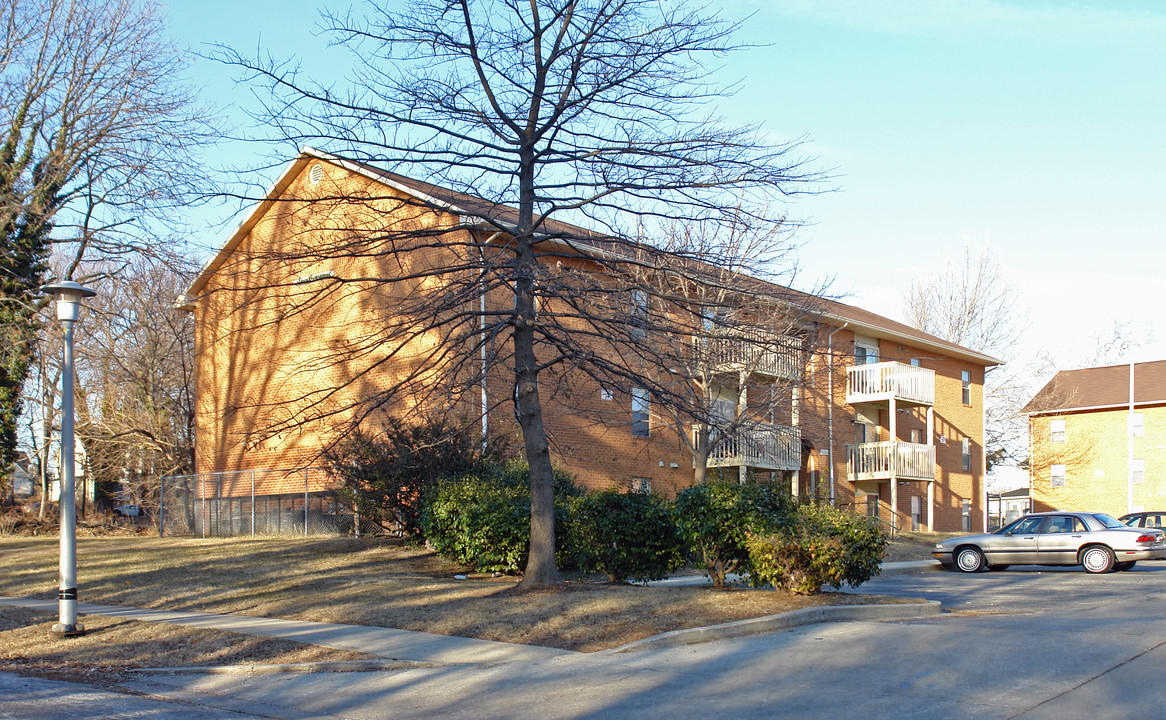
879,382
762,446
891,459
751,352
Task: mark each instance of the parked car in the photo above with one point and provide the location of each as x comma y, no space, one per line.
1155,519
128,510
1096,541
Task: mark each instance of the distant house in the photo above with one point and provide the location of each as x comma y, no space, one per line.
883,418
1005,507
1098,439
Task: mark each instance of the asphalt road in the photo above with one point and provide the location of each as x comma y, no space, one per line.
1025,643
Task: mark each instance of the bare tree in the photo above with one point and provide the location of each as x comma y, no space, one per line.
135,399
972,303
96,157
541,116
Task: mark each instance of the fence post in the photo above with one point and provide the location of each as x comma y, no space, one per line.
252,503
162,506
305,502
202,511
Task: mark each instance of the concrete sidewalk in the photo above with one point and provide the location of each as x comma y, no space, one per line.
886,569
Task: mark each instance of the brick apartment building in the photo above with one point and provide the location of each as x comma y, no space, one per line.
1098,440
868,413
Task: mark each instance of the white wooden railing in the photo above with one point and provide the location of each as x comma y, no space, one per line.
770,447
890,459
752,352
882,381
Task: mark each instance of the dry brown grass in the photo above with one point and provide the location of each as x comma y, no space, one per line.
380,583
914,546
111,646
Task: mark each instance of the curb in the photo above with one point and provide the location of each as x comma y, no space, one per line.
784,621
279,668
910,566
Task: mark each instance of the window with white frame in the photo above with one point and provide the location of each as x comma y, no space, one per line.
642,485
966,454
640,412
639,314
966,515
1138,470
1137,424
1057,476
1057,430
866,351
966,381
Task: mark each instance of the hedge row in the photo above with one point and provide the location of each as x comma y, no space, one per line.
752,529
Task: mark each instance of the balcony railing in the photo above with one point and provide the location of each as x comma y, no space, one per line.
886,380
751,352
764,446
891,459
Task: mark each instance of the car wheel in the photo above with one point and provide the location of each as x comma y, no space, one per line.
969,559
997,567
1123,566
1097,559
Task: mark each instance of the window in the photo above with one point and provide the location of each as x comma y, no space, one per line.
639,315
604,394
1057,476
640,412
1138,470
916,513
966,454
966,515
1057,430
642,485
917,436
866,352
966,379
916,362
1137,424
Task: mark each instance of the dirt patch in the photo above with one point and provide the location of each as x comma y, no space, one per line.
379,583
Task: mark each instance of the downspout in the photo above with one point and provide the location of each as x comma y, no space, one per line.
984,446
482,335
830,401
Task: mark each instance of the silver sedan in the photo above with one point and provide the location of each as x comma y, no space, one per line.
1096,541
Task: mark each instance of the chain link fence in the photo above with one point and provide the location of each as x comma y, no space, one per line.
256,502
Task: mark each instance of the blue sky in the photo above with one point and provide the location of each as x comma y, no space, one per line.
1035,129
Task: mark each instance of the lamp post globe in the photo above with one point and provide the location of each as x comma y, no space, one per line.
68,295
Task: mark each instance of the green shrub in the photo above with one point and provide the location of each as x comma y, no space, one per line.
823,546
483,522
799,561
389,476
863,539
627,536
716,518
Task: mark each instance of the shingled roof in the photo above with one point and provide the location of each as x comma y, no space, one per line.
459,203
1101,388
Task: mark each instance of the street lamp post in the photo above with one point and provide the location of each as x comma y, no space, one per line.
69,296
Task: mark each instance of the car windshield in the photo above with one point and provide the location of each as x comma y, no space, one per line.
1108,521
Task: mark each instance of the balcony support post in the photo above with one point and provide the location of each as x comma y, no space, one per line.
931,506
893,427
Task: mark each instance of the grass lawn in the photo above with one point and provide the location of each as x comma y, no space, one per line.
354,581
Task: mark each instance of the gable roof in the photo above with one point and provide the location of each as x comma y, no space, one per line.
461,204
1100,388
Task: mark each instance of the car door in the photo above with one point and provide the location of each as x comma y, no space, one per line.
1059,539
1018,546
